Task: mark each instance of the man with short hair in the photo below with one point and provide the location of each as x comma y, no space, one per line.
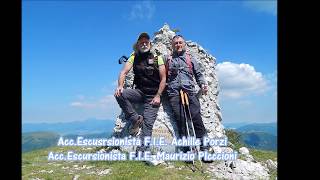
182,67
149,79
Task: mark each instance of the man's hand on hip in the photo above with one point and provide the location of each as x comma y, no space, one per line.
156,100
204,89
118,92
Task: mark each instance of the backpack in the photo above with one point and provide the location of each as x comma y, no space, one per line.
155,64
169,60
155,58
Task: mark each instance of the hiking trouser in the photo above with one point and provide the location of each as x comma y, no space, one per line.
194,105
129,96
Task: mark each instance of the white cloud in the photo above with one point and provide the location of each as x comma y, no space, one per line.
142,10
269,6
273,77
105,107
110,88
238,80
108,100
82,104
104,102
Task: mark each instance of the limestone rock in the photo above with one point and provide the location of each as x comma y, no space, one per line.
271,164
244,151
239,170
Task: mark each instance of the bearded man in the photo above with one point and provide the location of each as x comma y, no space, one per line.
149,80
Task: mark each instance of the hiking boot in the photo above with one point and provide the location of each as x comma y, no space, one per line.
206,161
139,149
202,148
185,149
136,125
188,162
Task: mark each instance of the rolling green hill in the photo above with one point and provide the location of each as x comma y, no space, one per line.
254,140
270,128
38,140
257,135
89,126
260,140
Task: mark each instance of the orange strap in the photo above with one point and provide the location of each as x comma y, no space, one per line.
186,97
188,59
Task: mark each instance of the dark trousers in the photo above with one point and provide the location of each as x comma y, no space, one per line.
194,105
130,96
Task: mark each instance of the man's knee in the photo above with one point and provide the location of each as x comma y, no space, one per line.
149,118
118,97
121,101
148,125
174,101
147,129
123,96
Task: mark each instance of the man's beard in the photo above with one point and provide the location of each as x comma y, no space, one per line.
181,50
144,49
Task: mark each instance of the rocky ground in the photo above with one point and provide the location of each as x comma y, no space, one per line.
35,165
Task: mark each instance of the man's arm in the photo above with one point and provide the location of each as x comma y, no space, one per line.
197,73
162,85
122,77
199,76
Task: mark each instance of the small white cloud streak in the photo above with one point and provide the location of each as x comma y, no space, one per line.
269,6
83,105
143,10
105,107
103,102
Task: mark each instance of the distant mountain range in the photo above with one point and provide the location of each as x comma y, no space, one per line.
43,135
259,140
90,126
257,135
38,140
270,128
234,125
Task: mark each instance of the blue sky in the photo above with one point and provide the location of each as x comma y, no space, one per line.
70,51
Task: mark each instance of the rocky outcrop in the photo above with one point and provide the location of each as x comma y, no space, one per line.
244,168
165,124
272,165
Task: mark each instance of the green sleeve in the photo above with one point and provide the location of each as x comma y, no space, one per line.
131,59
160,61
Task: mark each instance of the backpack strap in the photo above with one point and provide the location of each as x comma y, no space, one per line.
133,64
168,60
188,58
